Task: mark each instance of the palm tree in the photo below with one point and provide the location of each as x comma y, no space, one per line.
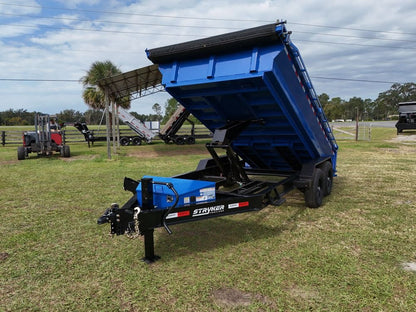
93,95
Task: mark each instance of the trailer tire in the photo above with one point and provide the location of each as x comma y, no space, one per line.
124,141
328,173
314,194
179,141
190,140
21,153
137,141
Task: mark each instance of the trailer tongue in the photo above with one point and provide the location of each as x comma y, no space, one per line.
252,90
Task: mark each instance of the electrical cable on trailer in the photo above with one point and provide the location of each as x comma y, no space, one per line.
168,210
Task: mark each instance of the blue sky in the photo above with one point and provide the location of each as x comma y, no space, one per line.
350,48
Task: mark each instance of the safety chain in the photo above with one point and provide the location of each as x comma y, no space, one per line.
136,225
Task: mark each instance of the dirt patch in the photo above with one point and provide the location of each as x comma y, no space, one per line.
401,150
3,256
409,266
404,138
302,294
9,162
232,298
185,150
80,157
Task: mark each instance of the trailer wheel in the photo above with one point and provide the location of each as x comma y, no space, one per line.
179,141
137,141
21,153
328,173
190,140
315,194
124,141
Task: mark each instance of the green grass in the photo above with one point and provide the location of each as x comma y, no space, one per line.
344,256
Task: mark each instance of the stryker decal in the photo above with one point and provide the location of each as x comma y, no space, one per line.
208,210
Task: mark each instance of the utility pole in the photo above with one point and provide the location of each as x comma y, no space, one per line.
107,122
356,125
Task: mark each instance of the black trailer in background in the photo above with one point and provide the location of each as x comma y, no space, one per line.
407,117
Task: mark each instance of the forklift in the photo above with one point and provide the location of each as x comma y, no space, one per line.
46,139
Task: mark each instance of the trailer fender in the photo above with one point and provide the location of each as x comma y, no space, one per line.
307,173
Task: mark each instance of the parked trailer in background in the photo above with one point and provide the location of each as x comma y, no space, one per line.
137,126
252,90
144,131
172,126
407,116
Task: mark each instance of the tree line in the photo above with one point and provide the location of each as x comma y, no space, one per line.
21,117
384,107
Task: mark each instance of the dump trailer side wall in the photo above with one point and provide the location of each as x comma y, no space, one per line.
258,83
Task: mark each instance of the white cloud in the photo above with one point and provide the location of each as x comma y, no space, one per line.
56,52
76,3
21,7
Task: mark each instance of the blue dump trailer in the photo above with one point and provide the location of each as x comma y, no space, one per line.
252,90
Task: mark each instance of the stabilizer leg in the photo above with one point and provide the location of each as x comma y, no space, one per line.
149,247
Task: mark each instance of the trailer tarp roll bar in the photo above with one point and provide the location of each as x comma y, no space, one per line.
229,42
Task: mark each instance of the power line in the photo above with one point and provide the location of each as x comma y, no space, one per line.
356,80
204,18
167,25
100,30
135,14
117,22
38,80
356,44
355,37
77,80
195,35
356,29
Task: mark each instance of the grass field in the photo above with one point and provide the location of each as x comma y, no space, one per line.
347,255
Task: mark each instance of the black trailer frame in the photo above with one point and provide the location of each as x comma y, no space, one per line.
239,187
240,193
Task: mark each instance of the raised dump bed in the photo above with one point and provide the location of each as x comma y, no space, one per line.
252,90
253,75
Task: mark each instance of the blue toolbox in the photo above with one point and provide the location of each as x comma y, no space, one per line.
189,191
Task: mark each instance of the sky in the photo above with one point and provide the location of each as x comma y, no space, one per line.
350,48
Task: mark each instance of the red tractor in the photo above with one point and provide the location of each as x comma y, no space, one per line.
46,139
